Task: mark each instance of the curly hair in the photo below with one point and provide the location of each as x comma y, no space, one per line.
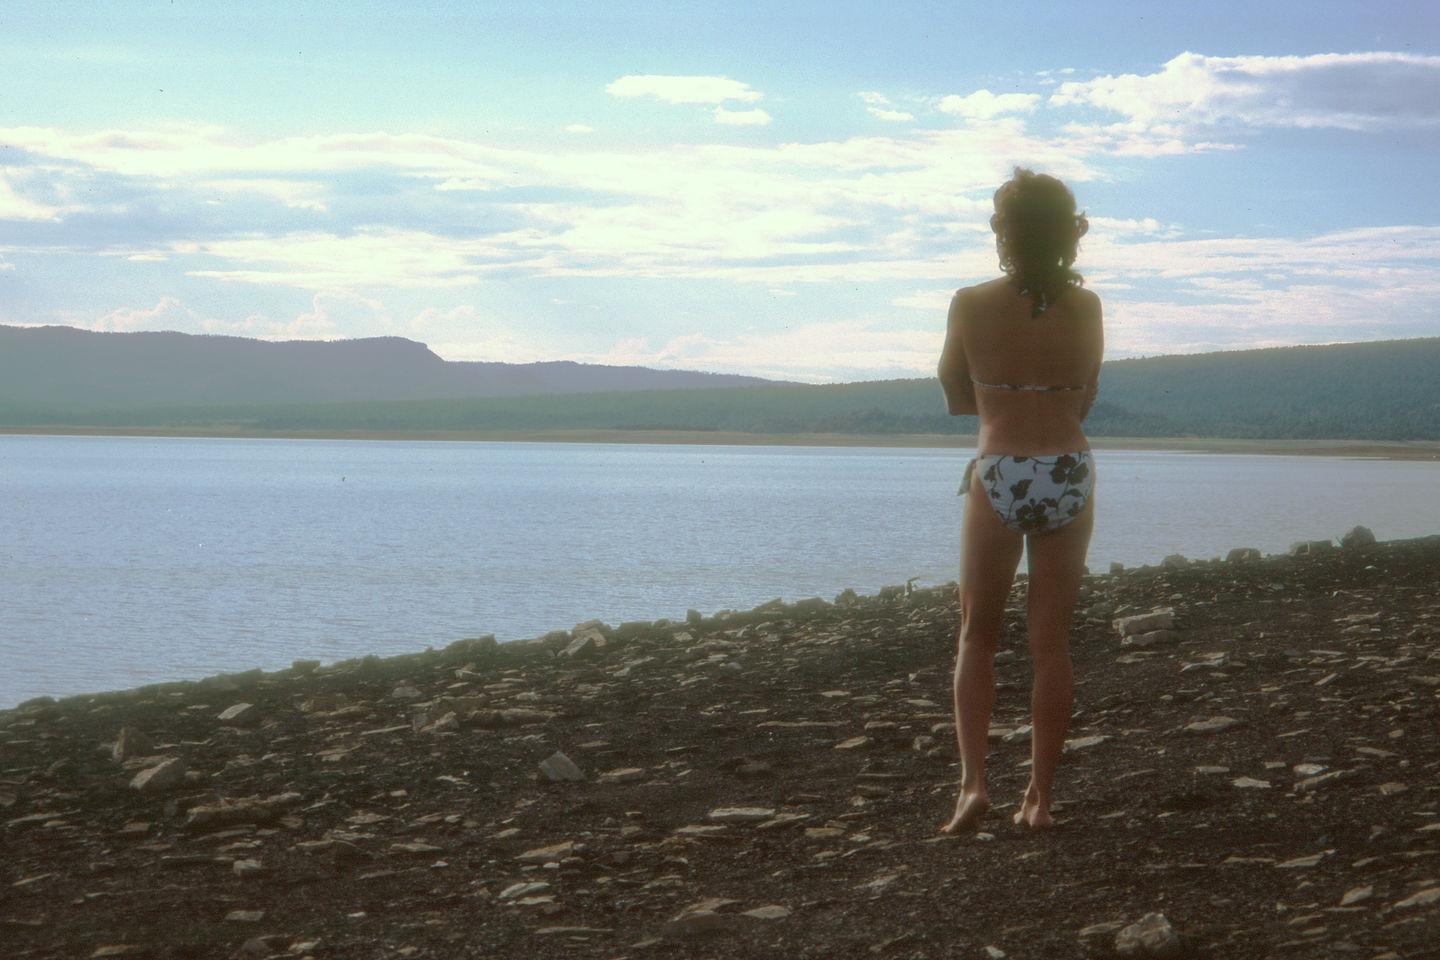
1037,232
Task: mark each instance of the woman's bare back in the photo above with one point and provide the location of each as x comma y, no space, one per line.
1031,377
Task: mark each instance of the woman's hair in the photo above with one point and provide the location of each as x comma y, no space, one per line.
1037,231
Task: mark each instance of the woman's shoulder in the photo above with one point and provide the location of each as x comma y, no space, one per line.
986,290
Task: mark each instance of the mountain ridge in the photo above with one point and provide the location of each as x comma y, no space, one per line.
1379,390
59,368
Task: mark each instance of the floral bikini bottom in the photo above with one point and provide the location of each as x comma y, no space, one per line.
1035,494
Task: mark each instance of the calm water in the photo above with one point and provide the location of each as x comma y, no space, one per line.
131,560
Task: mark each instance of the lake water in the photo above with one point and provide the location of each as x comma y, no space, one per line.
127,560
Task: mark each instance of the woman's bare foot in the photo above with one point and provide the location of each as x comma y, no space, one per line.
969,808
1033,814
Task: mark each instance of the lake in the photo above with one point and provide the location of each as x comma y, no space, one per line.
131,560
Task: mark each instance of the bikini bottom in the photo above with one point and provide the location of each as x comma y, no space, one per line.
1035,494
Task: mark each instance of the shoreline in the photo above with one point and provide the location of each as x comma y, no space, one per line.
554,641
765,785
1364,449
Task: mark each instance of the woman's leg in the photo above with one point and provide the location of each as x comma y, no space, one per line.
989,554
1057,563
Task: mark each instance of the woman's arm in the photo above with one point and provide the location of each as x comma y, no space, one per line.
954,366
1093,388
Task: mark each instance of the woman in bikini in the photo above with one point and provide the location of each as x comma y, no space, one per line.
1023,352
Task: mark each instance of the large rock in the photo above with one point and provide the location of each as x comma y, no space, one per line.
559,767
1242,555
164,775
131,743
1161,618
1358,537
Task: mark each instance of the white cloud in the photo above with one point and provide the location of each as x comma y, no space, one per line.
742,118
333,310
168,314
297,194
817,352
1353,91
878,105
931,301
983,105
683,89
579,128
14,206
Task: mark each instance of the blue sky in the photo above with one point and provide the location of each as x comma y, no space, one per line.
784,189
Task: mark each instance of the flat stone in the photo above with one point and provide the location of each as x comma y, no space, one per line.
240,715
415,847
1150,638
853,743
1213,725
517,891
1162,618
1250,783
162,776
247,868
623,775
1152,937
556,851
245,916
559,767
131,743
1424,898
771,912
740,814
258,811
582,647
1356,895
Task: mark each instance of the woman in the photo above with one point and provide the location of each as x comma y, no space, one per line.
1023,352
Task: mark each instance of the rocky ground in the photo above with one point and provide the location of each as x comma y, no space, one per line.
1264,774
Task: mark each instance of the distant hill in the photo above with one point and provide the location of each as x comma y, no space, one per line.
64,369
1387,390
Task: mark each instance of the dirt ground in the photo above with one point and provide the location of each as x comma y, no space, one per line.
766,784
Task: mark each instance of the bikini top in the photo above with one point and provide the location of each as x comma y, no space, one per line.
1023,386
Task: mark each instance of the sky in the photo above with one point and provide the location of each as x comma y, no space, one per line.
784,189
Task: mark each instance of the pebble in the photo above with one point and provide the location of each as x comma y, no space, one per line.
1356,895
771,912
1213,725
1151,937
559,767
740,814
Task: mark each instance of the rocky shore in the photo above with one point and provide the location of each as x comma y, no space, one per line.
1254,772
